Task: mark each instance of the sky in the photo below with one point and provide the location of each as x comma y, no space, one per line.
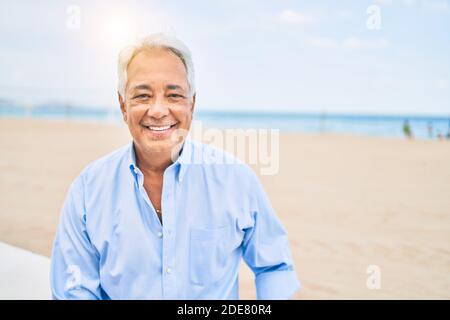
365,57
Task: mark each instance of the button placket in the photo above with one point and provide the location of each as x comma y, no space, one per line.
168,245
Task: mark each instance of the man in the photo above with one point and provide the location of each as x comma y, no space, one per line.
148,221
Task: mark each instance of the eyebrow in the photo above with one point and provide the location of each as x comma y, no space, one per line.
174,87
142,87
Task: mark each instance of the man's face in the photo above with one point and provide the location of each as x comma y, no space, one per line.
156,103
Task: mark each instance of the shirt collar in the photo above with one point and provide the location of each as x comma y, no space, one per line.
185,158
182,162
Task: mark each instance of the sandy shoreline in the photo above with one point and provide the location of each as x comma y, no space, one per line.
348,202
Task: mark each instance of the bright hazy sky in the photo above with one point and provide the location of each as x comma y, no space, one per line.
277,55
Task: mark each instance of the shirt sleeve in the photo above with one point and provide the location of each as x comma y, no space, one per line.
266,250
74,271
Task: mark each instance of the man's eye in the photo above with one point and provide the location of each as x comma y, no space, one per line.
142,96
175,95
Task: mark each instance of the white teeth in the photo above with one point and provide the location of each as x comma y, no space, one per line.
159,128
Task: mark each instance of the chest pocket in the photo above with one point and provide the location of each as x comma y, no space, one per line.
208,255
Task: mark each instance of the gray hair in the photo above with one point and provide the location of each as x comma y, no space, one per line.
157,40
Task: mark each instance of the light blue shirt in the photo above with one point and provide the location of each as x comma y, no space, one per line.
110,243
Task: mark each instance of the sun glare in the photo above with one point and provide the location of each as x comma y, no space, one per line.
119,30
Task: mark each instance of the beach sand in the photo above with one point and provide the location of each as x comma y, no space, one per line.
348,202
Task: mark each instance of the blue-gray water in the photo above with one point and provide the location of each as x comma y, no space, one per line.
373,125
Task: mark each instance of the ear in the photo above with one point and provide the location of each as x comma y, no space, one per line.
123,107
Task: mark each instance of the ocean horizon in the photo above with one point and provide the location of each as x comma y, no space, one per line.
384,125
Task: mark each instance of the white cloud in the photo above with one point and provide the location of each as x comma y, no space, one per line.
348,43
295,18
323,43
356,43
383,2
437,5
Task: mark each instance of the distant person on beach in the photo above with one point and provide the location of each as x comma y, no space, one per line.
430,130
407,130
165,217
448,132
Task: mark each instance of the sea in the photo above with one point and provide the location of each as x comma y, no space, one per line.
422,127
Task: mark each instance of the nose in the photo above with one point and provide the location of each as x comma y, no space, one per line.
158,110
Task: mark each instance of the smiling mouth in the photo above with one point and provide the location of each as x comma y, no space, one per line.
160,128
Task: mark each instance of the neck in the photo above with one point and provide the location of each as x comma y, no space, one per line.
152,162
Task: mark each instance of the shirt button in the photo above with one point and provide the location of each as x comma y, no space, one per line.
168,270
160,234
